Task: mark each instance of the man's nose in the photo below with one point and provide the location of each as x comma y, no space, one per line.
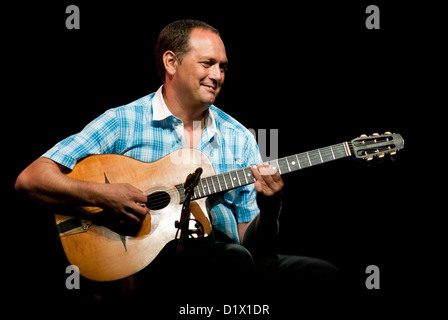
216,74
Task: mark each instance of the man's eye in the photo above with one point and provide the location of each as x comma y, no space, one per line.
206,64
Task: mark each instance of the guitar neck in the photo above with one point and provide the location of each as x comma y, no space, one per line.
237,178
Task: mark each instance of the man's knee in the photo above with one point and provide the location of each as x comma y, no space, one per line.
307,272
237,259
320,274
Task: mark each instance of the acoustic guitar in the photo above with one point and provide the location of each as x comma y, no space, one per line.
104,250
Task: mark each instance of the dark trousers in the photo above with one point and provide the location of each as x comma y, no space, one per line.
209,273
229,272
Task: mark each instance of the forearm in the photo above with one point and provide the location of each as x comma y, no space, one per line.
45,183
262,231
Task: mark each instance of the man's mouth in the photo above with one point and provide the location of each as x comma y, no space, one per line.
209,87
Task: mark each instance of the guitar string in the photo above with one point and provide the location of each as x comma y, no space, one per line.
161,198
325,152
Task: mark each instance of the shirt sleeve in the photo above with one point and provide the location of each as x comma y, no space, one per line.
245,202
98,137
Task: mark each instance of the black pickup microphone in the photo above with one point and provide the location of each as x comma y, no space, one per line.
192,180
189,185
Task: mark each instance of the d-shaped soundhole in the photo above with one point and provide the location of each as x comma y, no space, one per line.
158,200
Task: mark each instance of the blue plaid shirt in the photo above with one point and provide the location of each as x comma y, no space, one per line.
146,130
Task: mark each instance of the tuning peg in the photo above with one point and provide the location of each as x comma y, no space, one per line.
375,134
387,132
381,155
363,136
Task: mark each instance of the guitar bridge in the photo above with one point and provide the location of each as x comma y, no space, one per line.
72,225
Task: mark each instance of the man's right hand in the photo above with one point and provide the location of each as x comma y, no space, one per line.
45,182
124,201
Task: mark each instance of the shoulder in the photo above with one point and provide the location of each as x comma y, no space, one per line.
236,139
226,123
138,109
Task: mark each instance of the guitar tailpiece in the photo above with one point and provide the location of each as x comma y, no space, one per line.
199,231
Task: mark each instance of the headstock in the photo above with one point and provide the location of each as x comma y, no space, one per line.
366,147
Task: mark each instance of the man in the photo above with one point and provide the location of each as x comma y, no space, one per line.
191,61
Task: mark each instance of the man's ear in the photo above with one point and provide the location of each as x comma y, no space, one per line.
170,62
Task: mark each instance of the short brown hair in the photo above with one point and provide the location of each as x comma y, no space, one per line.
175,37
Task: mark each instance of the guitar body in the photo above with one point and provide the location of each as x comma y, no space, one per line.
105,255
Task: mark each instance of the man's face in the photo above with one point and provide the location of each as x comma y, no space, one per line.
201,74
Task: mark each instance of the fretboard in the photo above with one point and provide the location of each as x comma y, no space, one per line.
241,177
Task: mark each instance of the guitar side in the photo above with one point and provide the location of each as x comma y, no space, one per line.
104,255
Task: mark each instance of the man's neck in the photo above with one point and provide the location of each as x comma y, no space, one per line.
189,114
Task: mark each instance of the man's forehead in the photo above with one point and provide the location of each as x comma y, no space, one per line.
206,42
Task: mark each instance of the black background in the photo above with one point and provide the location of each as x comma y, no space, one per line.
312,71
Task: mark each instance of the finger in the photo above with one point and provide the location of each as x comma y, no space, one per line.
140,209
269,180
274,181
257,177
141,198
268,174
266,169
130,217
136,211
255,172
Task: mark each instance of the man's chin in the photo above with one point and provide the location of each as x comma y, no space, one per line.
209,100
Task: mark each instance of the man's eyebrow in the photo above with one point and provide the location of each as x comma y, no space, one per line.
213,60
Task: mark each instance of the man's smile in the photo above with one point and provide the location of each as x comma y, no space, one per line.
209,87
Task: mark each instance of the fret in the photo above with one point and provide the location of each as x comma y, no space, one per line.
339,151
332,153
245,175
315,158
204,190
241,176
283,165
287,162
208,186
229,179
326,154
248,174
235,177
298,162
215,181
197,188
309,160
347,152
273,164
320,156
213,185
293,163
303,160
223,179
181,190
